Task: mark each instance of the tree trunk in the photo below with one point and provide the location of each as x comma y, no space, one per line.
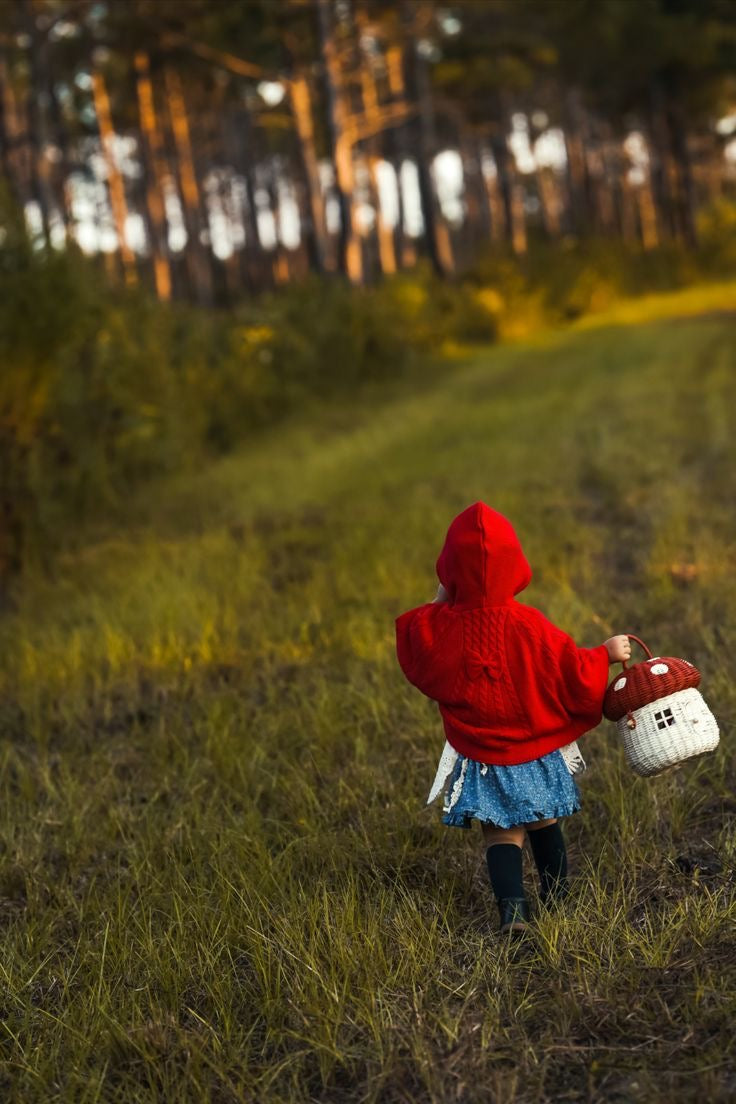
648,217
494,201
486,211
477,228
712,172
65,166
108,260
615,171
155,173
386,241
684,188
313,225
349,249
511,194
253,242
39,165
662,184
518,218
662,169
242,150
550,201
580,186
233,271
422,130
599,170
16,125
405,248
629,229
504,178
384,233
204,124
8,137
395,71
395,152
115,182
56,172
200,273
280,262
647,209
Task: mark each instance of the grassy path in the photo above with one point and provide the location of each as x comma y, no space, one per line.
217,878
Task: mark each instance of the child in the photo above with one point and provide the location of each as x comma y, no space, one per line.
514,693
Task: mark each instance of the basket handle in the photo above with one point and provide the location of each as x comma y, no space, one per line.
641,644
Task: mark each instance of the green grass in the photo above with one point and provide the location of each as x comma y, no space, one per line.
218,880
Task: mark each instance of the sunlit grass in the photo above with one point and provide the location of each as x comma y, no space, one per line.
218,879
685,303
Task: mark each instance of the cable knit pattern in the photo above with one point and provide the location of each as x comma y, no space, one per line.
510,685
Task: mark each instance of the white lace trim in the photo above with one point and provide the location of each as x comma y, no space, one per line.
573,759
457,789
444,769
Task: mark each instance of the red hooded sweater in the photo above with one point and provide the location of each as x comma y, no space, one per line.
510,685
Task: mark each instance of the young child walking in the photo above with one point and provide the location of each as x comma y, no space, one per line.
515,693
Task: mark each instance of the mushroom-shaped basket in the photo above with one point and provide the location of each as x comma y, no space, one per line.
660,713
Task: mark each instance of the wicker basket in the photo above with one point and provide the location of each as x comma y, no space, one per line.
660,714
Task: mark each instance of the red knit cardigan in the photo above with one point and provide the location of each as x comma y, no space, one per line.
510,685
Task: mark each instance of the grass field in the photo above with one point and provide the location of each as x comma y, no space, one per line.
218,879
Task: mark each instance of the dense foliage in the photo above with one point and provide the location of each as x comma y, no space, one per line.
102,389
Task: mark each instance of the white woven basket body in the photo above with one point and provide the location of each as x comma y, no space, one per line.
668,731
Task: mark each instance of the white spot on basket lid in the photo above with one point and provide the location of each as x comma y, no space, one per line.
659,669
619,684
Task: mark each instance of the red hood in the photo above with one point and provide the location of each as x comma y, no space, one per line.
481,562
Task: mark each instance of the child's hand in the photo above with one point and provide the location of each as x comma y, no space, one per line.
442,594
618,648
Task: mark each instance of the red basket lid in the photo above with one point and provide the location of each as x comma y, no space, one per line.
646,682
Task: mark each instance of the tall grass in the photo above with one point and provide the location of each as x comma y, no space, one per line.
218,880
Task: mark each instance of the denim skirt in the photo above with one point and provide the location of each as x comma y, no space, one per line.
510,795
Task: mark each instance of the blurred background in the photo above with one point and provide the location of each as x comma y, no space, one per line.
189,191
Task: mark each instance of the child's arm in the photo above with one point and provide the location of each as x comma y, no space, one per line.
429,647
618,648
584,674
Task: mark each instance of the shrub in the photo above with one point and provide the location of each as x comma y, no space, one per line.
717,233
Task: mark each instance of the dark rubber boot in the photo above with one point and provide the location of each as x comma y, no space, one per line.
514,913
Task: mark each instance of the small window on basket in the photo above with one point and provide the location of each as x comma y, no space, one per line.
664,718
